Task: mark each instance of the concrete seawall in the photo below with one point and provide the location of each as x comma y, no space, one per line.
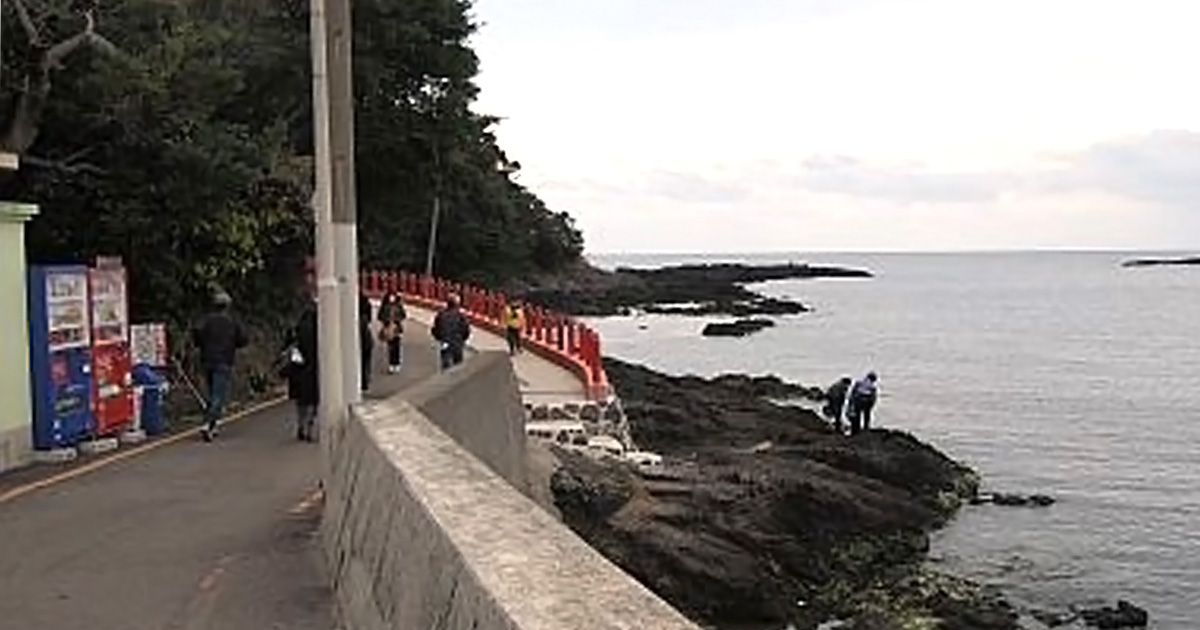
428,527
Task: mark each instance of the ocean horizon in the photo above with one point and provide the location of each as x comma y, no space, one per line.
1056,372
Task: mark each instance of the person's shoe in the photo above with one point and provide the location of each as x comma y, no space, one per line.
206,434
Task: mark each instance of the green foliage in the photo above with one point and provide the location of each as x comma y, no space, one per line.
188,151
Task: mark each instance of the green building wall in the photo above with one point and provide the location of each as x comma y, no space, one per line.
16,434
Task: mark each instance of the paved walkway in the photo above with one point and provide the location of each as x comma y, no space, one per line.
541,381
195,536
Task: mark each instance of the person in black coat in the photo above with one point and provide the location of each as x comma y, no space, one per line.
365,340
451,329
301,372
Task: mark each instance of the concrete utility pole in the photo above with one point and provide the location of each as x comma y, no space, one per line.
329,328
345,198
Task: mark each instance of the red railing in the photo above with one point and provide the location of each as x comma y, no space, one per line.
553,336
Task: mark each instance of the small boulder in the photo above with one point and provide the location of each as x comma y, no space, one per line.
739,328
1125,615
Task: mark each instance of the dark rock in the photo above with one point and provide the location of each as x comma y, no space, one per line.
741,308
541,412
713,289
590,412
739,328
1014,500
770,387
558,413
1158,262
737,536
1125,615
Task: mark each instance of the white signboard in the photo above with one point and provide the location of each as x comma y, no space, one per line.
148,344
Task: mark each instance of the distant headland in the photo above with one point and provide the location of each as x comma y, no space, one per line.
1162,262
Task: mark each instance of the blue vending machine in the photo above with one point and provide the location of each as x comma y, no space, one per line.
60,355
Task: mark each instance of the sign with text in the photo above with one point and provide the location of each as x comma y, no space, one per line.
148,344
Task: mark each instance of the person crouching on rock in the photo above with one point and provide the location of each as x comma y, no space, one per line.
451,329
835,402
862,402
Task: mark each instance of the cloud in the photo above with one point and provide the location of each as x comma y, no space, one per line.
851,176
1158,167
695,188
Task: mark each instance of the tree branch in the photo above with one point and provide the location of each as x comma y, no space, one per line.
35,38
68,165
22,129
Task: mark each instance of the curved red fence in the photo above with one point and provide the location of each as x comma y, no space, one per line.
553,336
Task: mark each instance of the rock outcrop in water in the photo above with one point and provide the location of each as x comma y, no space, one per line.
717,289
1158,262
765,516
739,328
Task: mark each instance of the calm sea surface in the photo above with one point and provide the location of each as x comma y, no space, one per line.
1059,373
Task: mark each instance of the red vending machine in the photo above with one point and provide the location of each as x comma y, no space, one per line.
112,363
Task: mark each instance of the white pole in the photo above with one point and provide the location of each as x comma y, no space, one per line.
346,246
333,404
340,68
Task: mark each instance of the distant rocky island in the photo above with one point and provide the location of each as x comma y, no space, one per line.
693,290
1161,262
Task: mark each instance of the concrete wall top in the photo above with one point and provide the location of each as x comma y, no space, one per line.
478,404
428,536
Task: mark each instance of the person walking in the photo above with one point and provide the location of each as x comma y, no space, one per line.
451,329
302,372
863,395
218,336
366,341
835,402
514,325
391,332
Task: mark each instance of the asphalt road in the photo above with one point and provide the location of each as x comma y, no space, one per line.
191,536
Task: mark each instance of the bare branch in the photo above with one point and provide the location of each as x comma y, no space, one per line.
54,56
35,38
66,165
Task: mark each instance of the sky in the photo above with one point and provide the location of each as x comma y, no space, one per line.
852,125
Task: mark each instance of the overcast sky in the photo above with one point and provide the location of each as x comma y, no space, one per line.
783,125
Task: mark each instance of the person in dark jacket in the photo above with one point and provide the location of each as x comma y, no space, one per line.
301,372
218,336
451,329
391,331
835,402
366,342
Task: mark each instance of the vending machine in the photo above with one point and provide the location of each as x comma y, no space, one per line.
60,355
112,363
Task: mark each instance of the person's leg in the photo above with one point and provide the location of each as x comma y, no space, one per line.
446,357
513,336
306,416
456,353
852,414
835,408
218,397
394,349
367,353
866,414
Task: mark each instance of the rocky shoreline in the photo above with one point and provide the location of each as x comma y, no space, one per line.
767,516
695,290
764,518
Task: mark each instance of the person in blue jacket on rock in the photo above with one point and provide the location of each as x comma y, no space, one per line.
863,395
